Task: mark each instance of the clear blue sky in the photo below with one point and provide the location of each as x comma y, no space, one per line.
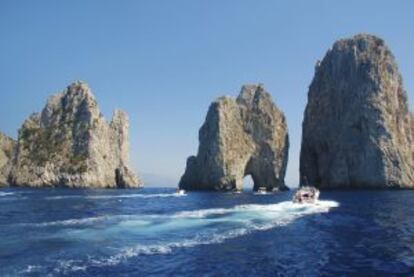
165,61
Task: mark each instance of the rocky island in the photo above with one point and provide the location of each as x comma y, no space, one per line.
70,144
243,136
358,131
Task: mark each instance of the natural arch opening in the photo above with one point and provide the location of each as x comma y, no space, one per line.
250,175
248,183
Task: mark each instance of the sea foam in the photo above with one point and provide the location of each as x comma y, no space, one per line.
284,210
246,219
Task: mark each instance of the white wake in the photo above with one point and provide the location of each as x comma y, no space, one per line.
229,223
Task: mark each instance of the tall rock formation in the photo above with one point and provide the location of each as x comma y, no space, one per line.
358,131
7,146
70,144
246,136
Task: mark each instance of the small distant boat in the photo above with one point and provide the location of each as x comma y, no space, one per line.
274,190
261,191
237,191
180,192
306,195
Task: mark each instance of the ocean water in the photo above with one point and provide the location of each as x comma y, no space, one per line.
153,231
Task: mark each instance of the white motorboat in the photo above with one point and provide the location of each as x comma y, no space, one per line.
274,190
307,194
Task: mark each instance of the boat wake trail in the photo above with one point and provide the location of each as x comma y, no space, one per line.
212,226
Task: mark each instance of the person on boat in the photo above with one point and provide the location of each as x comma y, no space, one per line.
306,194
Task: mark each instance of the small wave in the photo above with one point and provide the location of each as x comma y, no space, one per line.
80,221
135,195
201,213
67,266
68,222
31,269
6,193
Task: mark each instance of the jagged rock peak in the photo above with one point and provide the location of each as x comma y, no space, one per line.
75,102
249,93
70,144
357,129
243,136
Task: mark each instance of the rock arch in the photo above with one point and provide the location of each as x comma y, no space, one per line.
242,136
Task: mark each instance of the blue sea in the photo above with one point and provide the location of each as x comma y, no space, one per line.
155,232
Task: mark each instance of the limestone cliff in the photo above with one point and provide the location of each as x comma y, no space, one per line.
7,146
70,144
357,130
246,136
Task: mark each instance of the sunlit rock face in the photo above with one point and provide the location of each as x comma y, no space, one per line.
357,131
70,144
7,146
243,136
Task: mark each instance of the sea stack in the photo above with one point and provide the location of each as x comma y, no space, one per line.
7,146
358,131
70,144
243,136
